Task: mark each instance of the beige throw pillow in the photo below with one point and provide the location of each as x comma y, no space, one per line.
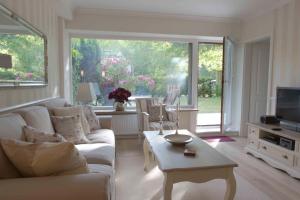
70,128
91,118
35,136
72,111
44,159
7,169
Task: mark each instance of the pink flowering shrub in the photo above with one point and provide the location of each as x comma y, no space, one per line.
147,80
117,72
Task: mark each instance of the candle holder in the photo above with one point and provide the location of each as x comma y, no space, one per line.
177,115
160,125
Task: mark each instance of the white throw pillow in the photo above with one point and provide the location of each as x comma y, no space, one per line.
72,111
44,159
35,136
91,118
70,128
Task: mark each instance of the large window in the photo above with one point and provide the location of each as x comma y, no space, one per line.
146,68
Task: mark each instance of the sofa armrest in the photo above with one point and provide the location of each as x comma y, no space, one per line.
92,186
105,121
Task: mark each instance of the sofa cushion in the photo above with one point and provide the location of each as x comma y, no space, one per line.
70,128
71,111
91,118
98,168
7,169
102,136
11,126
167,125
98,153
37,117
35,136
109,171
38,159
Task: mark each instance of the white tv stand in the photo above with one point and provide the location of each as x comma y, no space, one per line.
275,155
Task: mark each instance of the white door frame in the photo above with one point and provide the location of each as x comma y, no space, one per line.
246,91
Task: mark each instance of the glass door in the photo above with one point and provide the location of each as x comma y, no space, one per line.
210,87
227,107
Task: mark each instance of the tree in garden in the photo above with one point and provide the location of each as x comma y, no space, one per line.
90,60
211,56
86,57
210,71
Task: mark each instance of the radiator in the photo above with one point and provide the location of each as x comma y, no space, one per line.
125,124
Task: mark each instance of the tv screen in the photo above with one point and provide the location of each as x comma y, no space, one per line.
288,104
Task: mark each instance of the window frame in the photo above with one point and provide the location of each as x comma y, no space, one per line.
192,41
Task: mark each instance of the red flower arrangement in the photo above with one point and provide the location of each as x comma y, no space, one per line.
120,95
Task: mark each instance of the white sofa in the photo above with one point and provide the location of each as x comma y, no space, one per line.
100,155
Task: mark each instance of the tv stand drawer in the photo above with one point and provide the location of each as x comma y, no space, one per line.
253,132
276,153
252,143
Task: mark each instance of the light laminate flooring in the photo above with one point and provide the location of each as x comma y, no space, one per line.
256,180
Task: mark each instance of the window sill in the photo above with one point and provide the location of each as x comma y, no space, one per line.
113,112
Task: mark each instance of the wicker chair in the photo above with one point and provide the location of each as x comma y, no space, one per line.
148,117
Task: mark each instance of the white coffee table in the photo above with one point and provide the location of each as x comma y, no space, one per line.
208,164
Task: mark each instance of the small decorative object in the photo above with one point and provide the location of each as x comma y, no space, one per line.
189,152
120,95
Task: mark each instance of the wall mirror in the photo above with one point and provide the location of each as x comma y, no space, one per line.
23,52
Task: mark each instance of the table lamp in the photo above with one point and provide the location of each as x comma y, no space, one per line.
5,61
85,93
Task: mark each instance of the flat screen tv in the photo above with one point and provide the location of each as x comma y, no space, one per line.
288,104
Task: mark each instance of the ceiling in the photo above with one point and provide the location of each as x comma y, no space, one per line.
234,9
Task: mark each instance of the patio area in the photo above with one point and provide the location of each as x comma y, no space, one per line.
208,122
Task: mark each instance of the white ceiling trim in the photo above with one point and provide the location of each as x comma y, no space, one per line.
113,12
141,36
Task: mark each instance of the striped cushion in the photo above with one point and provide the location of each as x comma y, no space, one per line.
167,125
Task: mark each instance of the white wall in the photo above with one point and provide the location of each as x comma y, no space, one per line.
283,27
286,51
257,28
97,20
42,14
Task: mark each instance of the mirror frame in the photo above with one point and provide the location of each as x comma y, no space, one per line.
29,26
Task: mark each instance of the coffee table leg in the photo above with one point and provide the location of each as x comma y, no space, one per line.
231,186
146,154
168,187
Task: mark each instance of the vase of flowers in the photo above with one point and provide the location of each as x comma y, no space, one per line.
120,95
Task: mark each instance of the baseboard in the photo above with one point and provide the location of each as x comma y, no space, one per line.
128,136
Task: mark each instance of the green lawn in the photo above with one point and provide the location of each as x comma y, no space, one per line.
209,105
205,105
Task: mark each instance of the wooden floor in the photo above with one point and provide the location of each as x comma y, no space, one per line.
272,183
